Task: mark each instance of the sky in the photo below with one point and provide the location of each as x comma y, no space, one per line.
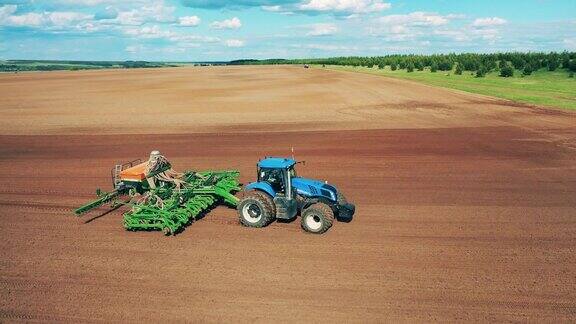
220,30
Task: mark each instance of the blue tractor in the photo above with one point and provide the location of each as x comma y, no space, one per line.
279,193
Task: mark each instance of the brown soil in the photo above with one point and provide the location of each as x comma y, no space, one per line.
466,205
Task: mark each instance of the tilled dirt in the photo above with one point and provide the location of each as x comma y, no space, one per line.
465,215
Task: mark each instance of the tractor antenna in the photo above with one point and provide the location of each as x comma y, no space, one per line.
292,149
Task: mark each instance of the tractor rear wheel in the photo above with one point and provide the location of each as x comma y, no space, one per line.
317,218
256,209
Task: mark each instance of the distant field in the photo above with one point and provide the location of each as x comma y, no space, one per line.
554,89
32,65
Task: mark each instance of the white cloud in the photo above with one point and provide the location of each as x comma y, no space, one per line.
415,19
455,16
89,26
192,41
488,22
407,27
570,43
134,48
457,35
156,11
189,45
47,19
182,40
431,26
148,32
67,18
140,49
159,12
489,34
322,30
327,47
129,18
487,29
93,3
127,12
234,43
190,21
344,6
85,2
31,19
7,11
233,23
272,8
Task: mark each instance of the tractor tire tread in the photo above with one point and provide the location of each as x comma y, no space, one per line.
269,212
327,213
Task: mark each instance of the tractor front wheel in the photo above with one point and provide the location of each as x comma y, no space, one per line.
317,218
256,209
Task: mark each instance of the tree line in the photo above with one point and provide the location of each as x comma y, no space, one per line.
27,65
480,64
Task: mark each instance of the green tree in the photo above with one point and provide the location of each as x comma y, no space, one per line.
481,72
458,69
566,62
506,71
381,65
419,65
572,66
393,66
527,70
434,67
442,62
518,63
552,65
410,67
445,66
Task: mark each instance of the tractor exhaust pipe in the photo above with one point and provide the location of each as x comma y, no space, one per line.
288,185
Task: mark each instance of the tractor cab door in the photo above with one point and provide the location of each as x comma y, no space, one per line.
286,204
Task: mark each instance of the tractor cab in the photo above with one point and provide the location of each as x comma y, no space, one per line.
277,172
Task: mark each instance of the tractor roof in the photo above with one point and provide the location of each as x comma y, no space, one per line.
276,163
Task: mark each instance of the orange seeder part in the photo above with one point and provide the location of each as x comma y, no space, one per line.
135,173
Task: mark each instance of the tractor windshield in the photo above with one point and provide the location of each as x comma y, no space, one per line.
272,176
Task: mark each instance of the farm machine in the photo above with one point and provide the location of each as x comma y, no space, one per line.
161,198
279,193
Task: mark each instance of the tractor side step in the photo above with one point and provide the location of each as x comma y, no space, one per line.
285,209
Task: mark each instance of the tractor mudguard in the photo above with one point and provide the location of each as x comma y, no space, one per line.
262,186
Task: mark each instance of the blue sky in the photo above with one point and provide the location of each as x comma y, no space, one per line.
207,30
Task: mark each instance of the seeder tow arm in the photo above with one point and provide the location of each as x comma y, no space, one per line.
105,198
